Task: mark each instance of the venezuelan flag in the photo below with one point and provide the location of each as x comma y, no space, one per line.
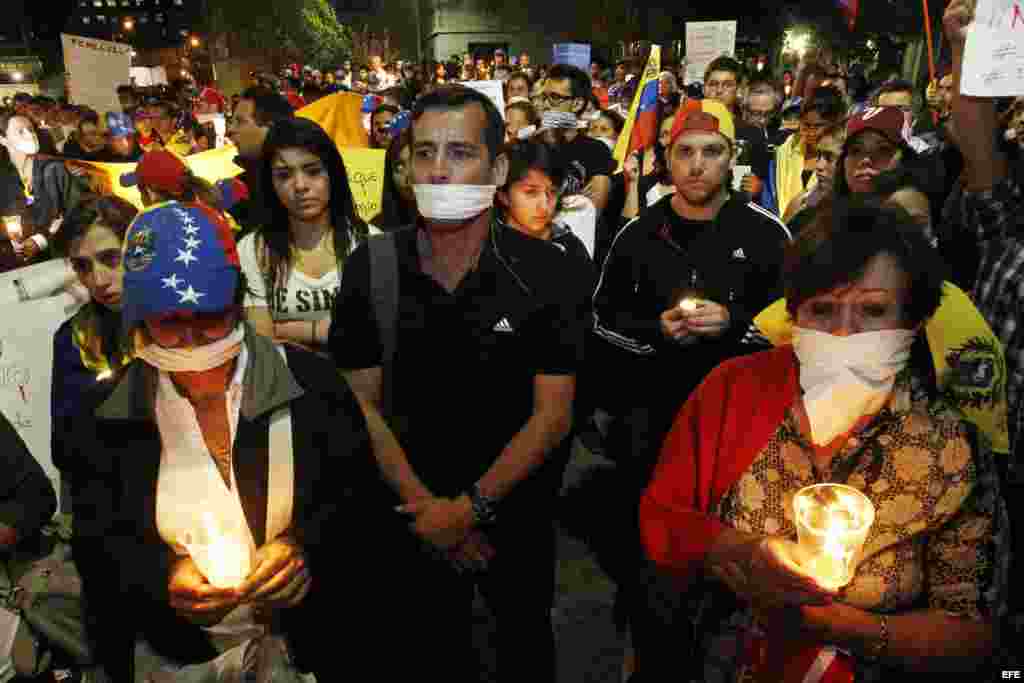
641,129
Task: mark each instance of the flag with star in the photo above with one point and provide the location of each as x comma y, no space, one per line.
178,257
641,129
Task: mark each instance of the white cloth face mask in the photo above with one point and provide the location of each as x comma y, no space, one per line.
28,147
196,358
845,378
454,203
559,119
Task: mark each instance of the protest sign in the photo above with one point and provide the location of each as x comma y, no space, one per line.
492,89
95,68
145,76
705,42
26,371
365,169
574,54
37,281
994,53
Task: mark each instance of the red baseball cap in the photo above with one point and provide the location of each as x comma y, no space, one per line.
159,170
211,96
892,123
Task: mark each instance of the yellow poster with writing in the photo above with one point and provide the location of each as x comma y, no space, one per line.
365,169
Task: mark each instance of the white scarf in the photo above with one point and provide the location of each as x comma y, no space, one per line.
844,378
196,358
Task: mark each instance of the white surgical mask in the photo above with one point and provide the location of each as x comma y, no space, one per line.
27,146
559,119
196,358
455,203
845,378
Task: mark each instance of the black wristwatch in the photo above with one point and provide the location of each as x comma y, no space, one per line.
484,508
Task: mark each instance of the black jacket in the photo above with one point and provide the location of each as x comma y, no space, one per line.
124,562
738,259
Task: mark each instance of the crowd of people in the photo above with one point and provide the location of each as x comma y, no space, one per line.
807,278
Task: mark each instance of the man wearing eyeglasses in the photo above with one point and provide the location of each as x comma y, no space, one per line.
721,82
588,162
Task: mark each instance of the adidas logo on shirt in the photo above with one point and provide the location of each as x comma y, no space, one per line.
503,325
738,254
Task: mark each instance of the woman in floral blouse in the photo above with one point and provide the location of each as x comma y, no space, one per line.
850,401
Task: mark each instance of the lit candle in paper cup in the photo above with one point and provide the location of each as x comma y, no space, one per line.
223,557
12,224
832,522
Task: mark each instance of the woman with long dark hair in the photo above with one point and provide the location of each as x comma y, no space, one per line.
293,264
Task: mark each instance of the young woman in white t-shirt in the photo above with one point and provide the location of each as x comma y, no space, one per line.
293,265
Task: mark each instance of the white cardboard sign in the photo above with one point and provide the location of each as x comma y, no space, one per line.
705,42
994,54
95,68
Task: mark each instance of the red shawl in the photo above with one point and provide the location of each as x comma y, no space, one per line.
717,434
715,437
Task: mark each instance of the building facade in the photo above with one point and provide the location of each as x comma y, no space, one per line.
145,24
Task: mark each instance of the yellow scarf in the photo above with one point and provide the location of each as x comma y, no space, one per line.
789,168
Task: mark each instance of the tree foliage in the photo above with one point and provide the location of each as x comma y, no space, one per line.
306,30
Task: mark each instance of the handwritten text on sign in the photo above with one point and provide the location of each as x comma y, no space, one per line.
365,169
994,54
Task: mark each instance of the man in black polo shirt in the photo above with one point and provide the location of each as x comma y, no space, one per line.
482,381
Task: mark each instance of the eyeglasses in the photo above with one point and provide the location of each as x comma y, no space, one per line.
720,85
554,99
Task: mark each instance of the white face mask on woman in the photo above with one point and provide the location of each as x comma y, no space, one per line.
194,358
845,378
453,203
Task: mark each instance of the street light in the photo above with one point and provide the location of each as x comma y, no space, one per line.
129,24
194,41
17,76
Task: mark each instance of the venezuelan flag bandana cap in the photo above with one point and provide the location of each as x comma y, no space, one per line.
178,257
705,116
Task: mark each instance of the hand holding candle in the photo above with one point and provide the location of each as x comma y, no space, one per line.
832,522
12,226
223,557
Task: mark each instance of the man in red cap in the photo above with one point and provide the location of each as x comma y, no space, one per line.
680,285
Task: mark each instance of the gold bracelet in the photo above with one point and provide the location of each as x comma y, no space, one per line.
877,649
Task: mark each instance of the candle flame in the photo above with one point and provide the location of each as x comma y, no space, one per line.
223,559
688,304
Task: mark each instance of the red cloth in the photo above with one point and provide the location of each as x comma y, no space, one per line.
715,437
212,96
718,433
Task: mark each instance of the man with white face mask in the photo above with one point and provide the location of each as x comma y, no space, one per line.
486,346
